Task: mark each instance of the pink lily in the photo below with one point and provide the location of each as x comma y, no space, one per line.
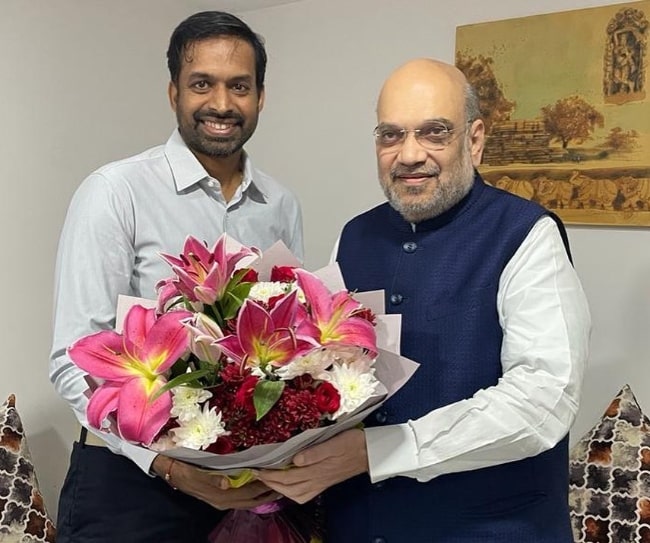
333,315
132,366
167,291
204,332
202,274
268,337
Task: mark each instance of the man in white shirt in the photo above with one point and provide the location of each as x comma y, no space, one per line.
200,183
474,447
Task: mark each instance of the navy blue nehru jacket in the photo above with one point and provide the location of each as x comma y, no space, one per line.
443,279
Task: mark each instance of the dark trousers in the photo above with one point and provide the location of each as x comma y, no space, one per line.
106,498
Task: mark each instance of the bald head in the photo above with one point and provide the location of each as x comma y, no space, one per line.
428,138
424,82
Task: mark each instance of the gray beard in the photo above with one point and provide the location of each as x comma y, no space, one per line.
446,195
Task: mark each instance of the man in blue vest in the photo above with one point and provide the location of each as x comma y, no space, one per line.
474,447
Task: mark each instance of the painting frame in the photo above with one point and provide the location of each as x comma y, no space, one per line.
567,113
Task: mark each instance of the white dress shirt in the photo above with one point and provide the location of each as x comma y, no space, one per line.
546,324
121,218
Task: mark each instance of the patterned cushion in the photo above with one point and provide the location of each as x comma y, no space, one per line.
609,487
23,518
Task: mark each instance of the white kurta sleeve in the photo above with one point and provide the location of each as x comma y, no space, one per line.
546,324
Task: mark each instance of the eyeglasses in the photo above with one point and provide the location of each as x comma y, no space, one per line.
433,135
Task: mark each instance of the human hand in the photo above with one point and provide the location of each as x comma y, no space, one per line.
319,467
210,487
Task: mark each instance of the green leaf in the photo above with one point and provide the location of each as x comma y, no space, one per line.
186,379
233,299
179,367
212,378
215,313
265,396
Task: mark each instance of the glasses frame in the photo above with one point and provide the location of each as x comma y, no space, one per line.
455,133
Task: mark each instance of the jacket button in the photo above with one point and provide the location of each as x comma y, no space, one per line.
410,246
381,417
396,299
379,539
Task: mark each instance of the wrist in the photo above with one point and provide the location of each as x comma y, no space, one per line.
165,467
168,477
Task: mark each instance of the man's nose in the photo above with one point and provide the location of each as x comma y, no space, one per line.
411,151
220,99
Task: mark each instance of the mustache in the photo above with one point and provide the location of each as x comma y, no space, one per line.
400,171
217,116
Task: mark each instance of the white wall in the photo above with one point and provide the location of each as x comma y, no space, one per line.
84,82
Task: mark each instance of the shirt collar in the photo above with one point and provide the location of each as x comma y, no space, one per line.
188,171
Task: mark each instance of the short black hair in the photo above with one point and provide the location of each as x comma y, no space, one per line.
213,24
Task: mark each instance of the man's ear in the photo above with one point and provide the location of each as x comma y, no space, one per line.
172,92
477,137
260,99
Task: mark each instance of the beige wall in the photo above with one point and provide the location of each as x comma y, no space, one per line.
85,83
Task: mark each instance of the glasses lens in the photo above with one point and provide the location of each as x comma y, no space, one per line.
389,135
435,135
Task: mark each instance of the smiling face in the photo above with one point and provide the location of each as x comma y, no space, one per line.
216,101
418,181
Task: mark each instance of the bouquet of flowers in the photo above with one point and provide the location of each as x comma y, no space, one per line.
229,365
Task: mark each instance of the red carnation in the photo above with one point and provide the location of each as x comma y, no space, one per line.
273,300
223,445
244,396
250,276
327,398
303,381
232,373
283,274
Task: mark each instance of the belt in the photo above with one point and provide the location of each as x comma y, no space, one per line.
88,438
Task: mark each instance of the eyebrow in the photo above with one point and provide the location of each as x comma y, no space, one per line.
441,120
206,75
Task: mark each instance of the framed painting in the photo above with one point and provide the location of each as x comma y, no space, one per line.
564,99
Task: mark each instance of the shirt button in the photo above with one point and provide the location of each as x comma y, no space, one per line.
396,299
211,183
381,417
410,246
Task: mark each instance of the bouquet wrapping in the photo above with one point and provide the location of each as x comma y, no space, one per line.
242,361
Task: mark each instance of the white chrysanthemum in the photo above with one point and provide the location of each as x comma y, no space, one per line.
263,291
346,354
317,361
355,383
201,431
262,371
313,363
186,400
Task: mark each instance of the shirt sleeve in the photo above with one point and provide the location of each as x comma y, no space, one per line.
296,245
94,265
335,250
546,324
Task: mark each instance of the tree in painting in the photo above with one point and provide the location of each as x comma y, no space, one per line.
571,119
494,106
621,141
